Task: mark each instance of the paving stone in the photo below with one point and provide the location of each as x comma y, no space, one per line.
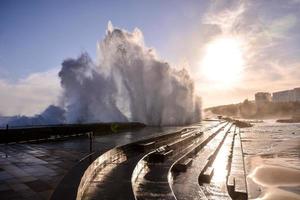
10,195
4,187
27,179
12,180
45,194
38,186
5,175
36,169
14,170
18,186
31,196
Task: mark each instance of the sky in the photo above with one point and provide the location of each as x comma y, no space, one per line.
261,38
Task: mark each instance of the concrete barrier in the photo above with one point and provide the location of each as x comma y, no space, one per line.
236,180
118,155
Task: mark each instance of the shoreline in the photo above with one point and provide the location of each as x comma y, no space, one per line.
276,181
272,160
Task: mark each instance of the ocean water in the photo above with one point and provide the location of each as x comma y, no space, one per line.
272,158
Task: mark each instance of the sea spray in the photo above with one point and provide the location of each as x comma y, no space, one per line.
127,83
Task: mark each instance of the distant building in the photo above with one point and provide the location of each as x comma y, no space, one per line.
282,96
262,97
287,95
297,94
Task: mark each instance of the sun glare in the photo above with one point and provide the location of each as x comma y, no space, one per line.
223,61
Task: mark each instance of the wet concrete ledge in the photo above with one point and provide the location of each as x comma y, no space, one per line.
162,189
192,153
75,182
236,181
187,185
207,172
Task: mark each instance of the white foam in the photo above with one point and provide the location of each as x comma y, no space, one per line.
128,83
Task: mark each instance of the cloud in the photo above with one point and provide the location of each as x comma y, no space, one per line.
227,17
30,95
280,27
269,31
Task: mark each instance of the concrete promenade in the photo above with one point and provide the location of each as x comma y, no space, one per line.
33,171
200,161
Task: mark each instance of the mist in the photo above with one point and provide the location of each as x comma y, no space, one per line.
127,82
52,115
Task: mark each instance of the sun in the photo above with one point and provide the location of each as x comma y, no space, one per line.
223,61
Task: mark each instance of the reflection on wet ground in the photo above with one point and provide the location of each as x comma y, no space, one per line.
154,182
121,172
32,171
272,152
193,163
217,189
186,185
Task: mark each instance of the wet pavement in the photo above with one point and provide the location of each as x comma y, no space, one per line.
186,185
121,169
155,182
116,177
217,188
32,171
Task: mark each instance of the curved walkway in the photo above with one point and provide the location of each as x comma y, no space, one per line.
186,185
153,181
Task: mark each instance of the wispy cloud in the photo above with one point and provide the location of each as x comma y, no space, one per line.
280,27
225,16
269,30
30,95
